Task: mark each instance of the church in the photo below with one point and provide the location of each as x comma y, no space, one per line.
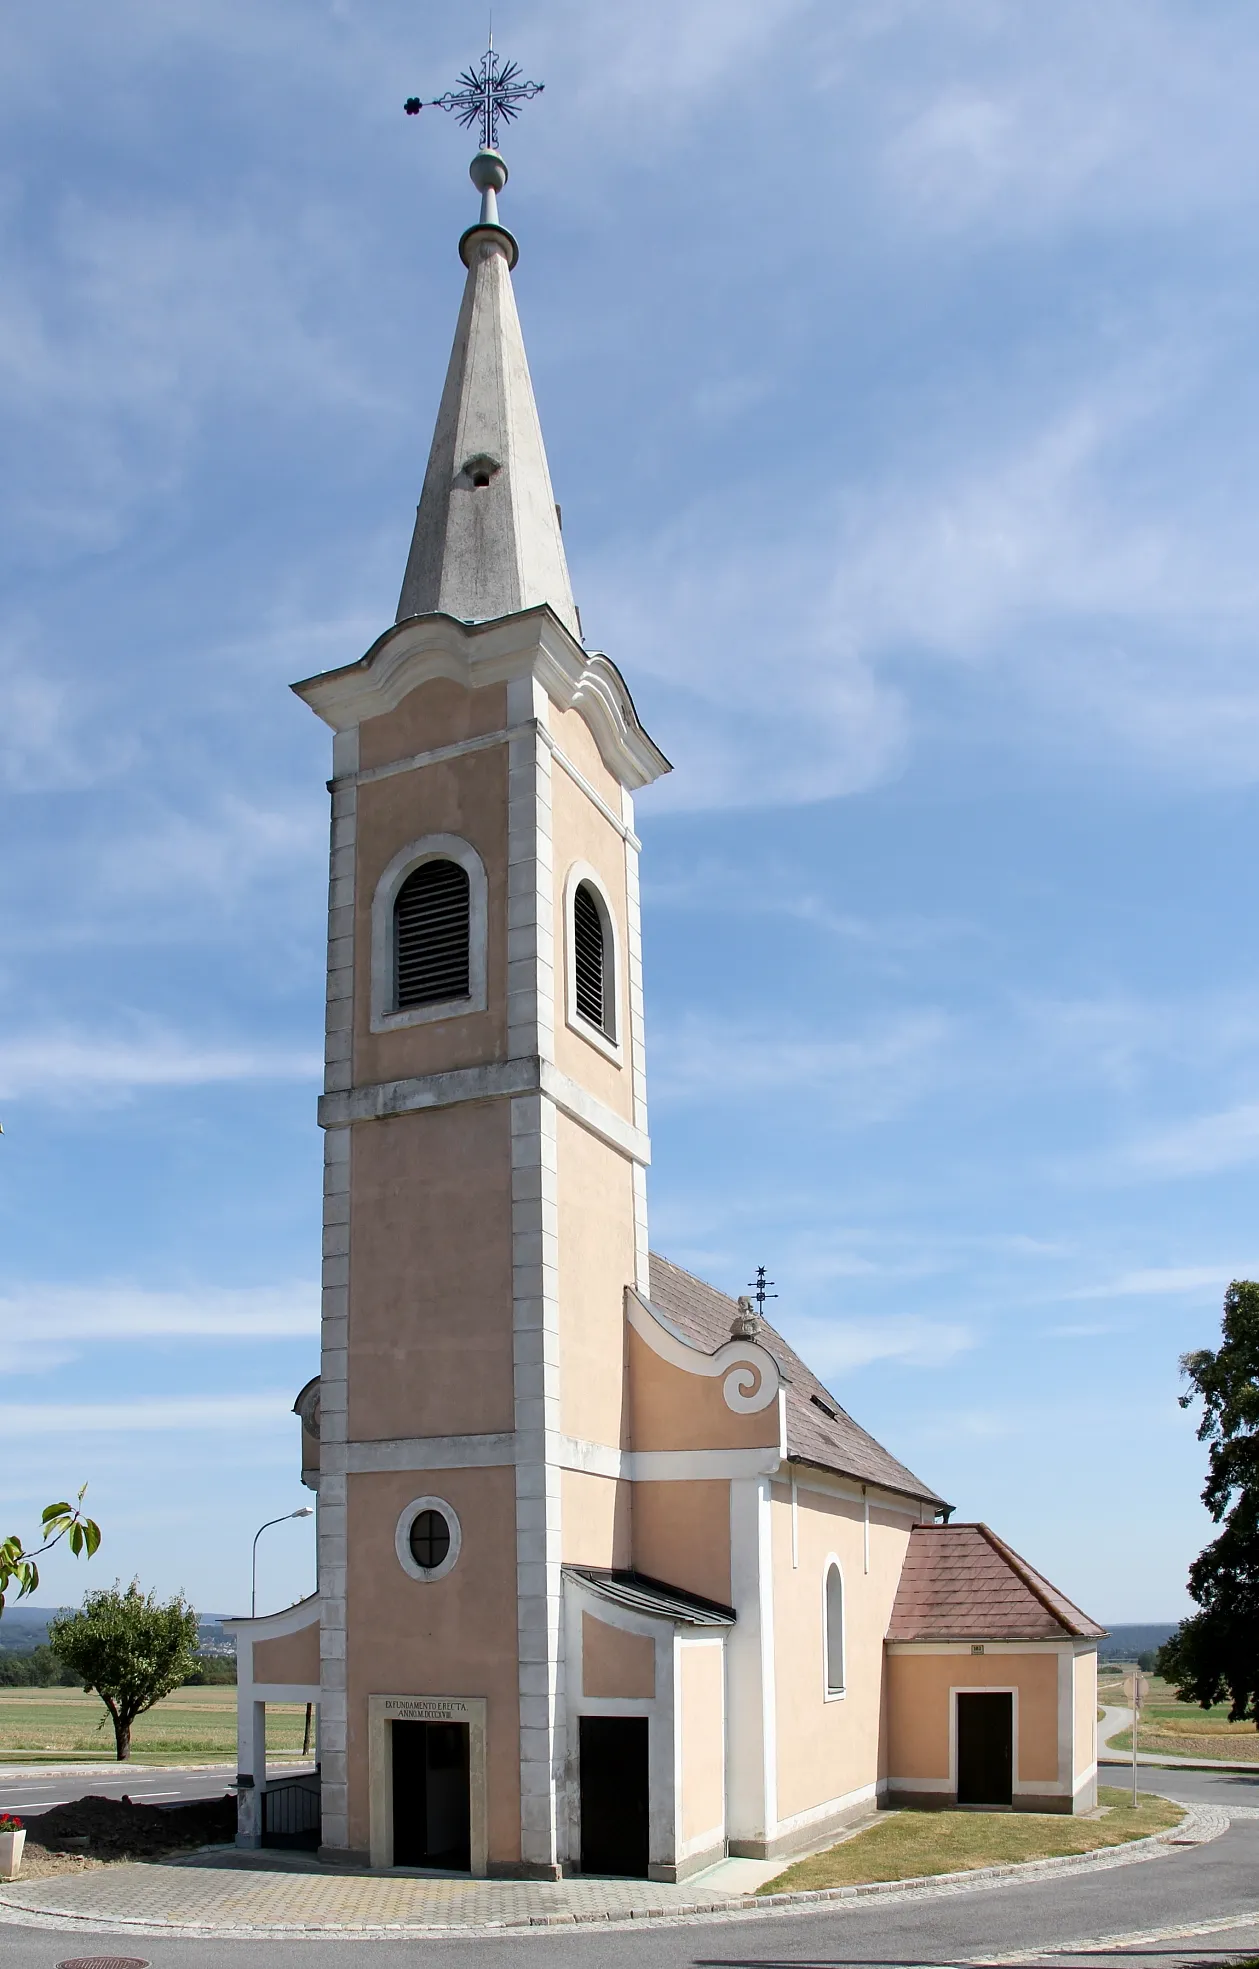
608,1581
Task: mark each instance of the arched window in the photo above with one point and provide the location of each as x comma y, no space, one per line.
833,1624
594,988
431,926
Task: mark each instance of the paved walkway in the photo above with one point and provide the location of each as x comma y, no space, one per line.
231,1895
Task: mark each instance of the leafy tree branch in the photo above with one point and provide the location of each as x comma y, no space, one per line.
57,1521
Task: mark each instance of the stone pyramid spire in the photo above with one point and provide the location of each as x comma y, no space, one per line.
487,533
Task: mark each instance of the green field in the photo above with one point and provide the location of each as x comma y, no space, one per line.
1181,1728
191,1726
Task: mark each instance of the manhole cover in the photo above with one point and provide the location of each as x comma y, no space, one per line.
104,1962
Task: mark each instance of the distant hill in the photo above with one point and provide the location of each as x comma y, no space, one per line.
1126,1643
23,1628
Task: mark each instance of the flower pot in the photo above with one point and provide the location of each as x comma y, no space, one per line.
11,1844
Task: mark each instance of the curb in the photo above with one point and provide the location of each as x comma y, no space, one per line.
1199,1825
1150,1760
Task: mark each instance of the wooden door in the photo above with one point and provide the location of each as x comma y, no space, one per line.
615,1795
985,1747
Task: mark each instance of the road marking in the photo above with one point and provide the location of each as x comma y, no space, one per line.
1106,1944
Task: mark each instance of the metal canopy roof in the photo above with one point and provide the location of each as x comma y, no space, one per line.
639,1594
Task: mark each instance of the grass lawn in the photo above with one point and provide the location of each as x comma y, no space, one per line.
191,1726
907,1845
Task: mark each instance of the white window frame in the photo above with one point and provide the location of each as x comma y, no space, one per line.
611,1048
385,1017
828,1693
402,1538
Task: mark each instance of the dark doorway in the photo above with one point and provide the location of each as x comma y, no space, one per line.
614,1795
432,1824
985,1748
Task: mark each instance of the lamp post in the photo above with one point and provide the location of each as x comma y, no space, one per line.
303,1511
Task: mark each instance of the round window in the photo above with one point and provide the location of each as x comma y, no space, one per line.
429,1540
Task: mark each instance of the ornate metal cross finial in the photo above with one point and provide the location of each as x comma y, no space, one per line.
485,95
759,1288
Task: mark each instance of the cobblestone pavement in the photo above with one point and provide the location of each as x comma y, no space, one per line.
224,1893
234,1894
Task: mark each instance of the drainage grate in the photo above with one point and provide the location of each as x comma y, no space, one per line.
104,1962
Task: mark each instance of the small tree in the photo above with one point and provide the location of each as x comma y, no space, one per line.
57,1521
1215,1653
130,1648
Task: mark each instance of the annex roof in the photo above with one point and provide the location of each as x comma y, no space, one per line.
638,1593
962,1582
819,1431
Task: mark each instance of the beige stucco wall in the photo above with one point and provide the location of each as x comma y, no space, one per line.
828,1748
702,1676
431,1281
467,797
596,1262
675,1409
582,834
441,712
682,1535
576,741
455,1636
1085,1746
614,1663
289,1657
919,1703
596,1517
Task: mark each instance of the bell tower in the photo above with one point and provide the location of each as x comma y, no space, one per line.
485,1137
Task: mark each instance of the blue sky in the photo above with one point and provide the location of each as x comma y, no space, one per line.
895,360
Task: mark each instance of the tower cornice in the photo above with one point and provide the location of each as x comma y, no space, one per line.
530,641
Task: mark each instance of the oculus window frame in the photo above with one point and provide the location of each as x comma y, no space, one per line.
402,1539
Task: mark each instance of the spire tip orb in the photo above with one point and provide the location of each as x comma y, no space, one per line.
487,171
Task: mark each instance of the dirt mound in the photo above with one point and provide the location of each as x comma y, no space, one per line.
115,1829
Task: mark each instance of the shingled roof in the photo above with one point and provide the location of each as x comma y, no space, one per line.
962,1582
819,1431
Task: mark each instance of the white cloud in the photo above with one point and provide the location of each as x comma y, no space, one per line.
1016,122
863,1077
67,1065
1156,1281
835,1347
1201,1146
38,1314
157,1414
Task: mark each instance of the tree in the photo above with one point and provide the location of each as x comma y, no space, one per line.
130,1648
57,1521
1215,1652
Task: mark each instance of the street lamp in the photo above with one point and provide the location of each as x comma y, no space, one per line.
303,1511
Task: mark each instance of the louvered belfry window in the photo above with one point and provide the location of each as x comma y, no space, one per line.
431,920
590,954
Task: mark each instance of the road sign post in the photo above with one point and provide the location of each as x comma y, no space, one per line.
1136,1687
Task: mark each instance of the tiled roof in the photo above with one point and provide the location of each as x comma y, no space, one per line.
962,1582
643,1595
826,1435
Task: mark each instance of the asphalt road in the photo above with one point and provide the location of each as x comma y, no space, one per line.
28,1796
1042,1921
